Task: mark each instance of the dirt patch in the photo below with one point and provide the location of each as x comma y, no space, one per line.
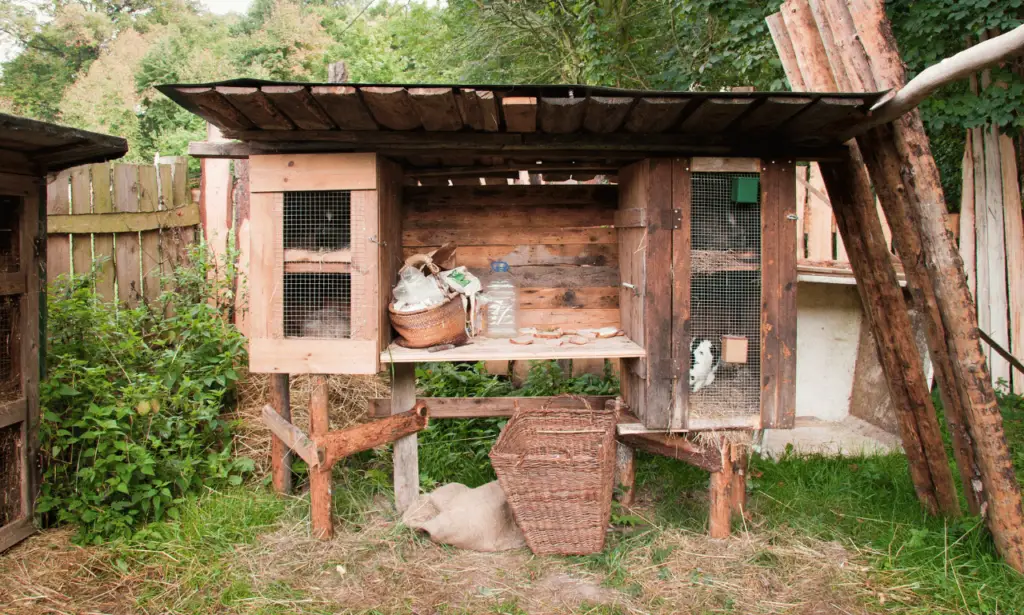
382,566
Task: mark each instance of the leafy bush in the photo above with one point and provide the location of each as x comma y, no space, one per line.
456,451
132,404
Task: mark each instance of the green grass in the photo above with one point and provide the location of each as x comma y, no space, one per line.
866,503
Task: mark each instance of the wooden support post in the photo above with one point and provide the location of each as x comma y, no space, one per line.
320,478
885,311
406,453
720,498
625,473
280,455
738,495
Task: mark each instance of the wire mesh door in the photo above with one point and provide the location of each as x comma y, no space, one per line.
317,243
725,296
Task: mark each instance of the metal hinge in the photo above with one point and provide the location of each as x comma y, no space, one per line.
677,219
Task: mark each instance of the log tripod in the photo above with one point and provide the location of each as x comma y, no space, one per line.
727,494
322,448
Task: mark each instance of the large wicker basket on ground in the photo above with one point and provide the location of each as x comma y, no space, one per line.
556,466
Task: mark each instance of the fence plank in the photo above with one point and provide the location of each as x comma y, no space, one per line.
81,246
149,241
103,244
58,247
127,194
174,243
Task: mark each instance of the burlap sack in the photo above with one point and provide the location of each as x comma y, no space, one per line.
475,519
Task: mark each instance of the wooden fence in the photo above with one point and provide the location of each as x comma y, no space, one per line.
135,222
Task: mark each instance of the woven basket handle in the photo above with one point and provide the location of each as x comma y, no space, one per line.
420,261
580,398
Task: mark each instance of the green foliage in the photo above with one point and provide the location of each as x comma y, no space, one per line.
456,450
132,404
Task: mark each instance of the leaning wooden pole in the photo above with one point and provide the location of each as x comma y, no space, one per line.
817,67
849,190
926,213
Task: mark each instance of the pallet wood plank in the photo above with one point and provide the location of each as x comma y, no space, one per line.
654,115
568,318
216,108
81,203
561,115
128,195
406,451
967,220
584,297
680,276
658,295
512,236
715,116
288,172
996,301
505,195
605,114
771,308
295,102
779,178
437,108
1014,254
58,246
520,113
390,257
481,407
595,255
344,106
125,222
291,436
280,453
486,349
469,219
256,106
320,500
312,356
391,107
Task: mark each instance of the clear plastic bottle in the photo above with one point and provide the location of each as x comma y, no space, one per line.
502,303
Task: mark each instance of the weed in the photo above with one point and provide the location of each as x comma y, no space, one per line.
132,404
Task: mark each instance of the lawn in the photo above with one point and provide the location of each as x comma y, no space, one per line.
823,535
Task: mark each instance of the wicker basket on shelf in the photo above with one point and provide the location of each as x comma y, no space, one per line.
556,466
432,326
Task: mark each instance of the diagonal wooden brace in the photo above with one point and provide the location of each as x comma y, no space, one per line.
293,437
342,443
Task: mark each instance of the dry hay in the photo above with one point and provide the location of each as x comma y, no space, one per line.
48,574
349,401
380,565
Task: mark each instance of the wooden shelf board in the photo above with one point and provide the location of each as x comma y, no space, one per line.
486,349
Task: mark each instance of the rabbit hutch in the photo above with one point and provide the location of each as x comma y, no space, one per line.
676,227
30,150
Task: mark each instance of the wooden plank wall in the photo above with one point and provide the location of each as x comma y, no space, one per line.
134,222
558,240
992,246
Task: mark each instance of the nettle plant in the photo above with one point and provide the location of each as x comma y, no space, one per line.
132,404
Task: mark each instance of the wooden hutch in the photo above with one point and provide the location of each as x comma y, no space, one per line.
29,150
689,236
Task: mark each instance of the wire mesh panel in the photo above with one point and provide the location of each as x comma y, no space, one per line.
10,217
10,473
318,220
10,338
725,295
318,305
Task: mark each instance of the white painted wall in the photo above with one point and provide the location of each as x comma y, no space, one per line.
827,333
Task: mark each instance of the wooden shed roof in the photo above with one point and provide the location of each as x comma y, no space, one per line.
45,147
578,121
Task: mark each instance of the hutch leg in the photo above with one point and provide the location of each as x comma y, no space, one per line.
406,454
280,455
625,472
738,494
720,499
320,478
